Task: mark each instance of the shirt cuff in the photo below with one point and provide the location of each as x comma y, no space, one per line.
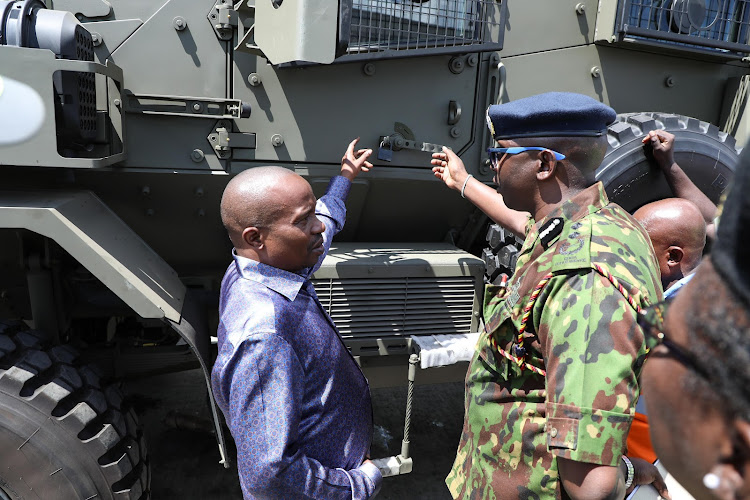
373,474
339,187
587,435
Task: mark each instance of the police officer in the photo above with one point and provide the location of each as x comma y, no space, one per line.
552,385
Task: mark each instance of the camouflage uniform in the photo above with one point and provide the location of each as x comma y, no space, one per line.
582,331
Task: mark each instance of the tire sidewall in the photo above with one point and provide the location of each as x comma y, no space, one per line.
51,464
632,178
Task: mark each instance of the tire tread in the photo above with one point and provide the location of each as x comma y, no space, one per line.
52,381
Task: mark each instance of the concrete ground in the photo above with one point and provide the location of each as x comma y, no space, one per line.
185,462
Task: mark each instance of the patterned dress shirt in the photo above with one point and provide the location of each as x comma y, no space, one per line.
295,400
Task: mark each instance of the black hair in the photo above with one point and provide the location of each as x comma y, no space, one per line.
719,338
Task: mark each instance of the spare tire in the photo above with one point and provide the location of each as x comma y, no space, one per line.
632,179
630,176
63,434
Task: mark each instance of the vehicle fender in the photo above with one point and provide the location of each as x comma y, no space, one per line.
98,239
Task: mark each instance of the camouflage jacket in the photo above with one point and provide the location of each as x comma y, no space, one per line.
581,330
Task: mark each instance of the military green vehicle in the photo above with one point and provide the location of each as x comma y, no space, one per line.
122,121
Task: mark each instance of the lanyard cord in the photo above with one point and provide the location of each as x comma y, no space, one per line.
518,348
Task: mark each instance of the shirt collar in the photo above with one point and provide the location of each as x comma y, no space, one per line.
677,285
590,200
283,282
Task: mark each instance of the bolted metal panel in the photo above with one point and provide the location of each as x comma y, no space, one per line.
617,85
721,25
302,30
455,25
574,24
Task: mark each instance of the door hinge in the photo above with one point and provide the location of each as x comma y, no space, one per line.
223,19
223,140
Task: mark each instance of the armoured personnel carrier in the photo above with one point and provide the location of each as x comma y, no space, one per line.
122,121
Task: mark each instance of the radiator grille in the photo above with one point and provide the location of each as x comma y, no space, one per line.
715,24
408,25
364,308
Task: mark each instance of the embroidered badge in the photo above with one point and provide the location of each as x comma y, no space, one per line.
513,295
550,230
569,247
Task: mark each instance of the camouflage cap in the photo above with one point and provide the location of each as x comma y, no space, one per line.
553,114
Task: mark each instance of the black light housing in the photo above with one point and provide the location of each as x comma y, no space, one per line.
28,23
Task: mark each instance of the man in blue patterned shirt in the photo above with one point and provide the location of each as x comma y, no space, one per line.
295,400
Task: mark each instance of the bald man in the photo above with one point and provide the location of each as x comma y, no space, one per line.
293,397
678,233
678,228
661,145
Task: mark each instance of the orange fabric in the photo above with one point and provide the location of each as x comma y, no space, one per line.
639,439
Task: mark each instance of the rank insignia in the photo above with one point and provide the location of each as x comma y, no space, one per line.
550,230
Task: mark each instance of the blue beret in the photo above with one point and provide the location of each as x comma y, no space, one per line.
554,114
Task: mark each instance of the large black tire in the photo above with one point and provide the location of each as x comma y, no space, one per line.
501,254
63,435
632,179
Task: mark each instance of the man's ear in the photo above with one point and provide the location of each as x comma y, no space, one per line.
675,255
547,165
733,472
253,238
742,454
726,478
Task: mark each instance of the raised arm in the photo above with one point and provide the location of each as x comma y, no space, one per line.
449,168
331,207
662,144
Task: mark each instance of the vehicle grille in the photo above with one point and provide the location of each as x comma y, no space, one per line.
715,24
372,308
427,26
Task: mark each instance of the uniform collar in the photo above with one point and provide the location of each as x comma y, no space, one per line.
590,200
280,281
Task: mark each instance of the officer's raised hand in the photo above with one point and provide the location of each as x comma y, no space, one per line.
449,168
354,162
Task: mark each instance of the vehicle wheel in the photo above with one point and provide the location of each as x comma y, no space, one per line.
63,435
632,179
501,254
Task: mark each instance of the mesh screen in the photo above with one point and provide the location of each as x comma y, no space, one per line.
362,307
386,25
719,24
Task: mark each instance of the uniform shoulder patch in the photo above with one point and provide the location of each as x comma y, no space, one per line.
574,247
550,230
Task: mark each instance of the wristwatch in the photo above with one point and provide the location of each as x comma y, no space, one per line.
631,472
